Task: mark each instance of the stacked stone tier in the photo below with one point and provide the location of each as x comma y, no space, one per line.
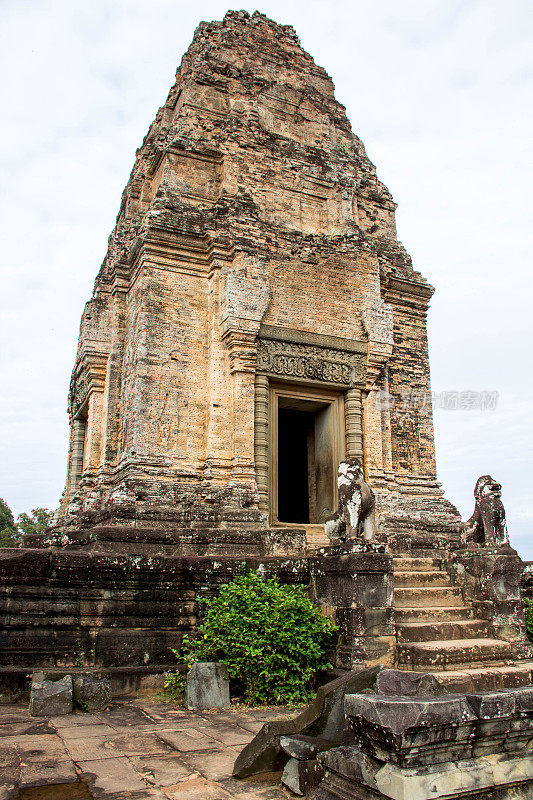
438,631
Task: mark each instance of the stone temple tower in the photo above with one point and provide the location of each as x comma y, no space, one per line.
255,322
255,319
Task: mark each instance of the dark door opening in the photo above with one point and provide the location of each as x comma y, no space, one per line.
295,464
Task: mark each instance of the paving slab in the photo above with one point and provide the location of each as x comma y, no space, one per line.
75,719
93,748
103,747
187,742
9,776
86,731
215,766
245,721
197,789
9,756
13,713
264,787
225,733
136,750
162,770
43,773
38,748
110,775
140,744
141,794
123,715
31,727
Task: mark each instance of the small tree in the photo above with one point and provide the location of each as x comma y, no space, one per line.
36,523
9,534
272,638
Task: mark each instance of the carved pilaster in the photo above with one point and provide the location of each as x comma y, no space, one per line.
76,454
261,439
354,424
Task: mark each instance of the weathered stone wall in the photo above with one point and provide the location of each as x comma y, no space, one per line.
251,203
60,607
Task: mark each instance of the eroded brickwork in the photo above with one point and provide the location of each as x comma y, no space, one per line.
251,206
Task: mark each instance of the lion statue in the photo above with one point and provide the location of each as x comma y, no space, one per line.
487,525
354,521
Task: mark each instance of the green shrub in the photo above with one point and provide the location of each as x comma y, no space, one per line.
173,687
529,618
271,637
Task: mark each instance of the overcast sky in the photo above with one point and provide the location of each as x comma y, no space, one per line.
440,91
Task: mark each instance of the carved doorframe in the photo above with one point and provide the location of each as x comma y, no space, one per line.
305,362
307,393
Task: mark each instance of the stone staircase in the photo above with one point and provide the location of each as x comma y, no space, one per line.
437,631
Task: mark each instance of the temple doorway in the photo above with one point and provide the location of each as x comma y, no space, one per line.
307,444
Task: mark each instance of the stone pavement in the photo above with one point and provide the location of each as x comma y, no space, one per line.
140,748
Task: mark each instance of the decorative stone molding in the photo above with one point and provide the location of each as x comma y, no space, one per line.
309,360
88,376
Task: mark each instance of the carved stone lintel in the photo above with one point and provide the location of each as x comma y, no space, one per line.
307,362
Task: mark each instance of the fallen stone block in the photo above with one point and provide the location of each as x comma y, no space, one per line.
324,717
302,776
92,693
50,698
417,684
304,747
207,686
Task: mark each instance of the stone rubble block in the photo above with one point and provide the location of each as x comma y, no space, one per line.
92,693
400,682
207,686
323,718
302,776
304,747
457,747
411,731
50,698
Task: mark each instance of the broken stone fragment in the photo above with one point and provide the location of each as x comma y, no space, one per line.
50,698
302,776
92,693
304,747
207,686
400,682
324,718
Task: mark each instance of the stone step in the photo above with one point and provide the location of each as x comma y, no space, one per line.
315,536
487,679
433,615
428,596
421,578
447,655
405,564
439,630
